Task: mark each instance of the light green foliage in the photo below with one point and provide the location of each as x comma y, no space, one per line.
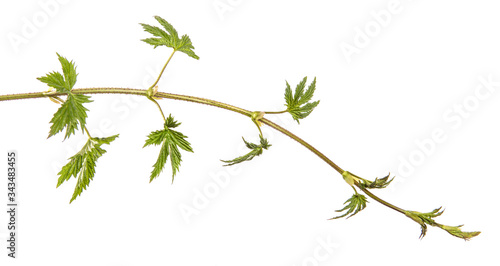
298,104
169,37
72,114
256,150
377,183
427,218
456,231
82,164
170,141
56,80
354,205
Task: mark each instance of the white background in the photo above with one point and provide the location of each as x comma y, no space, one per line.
405,81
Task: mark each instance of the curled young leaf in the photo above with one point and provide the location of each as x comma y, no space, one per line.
377,183
355,204
427,218
256,150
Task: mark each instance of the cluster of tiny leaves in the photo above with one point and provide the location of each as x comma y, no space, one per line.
71,114
169,37
82,164
298,104
377,183
427,218
256,150
352,206
170,141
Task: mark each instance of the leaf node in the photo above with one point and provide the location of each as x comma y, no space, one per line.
71,114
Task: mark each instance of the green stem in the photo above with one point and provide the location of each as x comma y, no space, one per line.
87,131
305,144
452,230
159,107
181,98
276,112
162,70
381,201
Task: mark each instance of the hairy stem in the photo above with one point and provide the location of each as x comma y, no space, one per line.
257,120
301,141
181,98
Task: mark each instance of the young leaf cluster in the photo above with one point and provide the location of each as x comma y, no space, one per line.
427,218
354,205
299,104
377,183
82,164
71,114
170,141
256,150
169,37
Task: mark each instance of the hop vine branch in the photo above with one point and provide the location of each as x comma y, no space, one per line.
72,114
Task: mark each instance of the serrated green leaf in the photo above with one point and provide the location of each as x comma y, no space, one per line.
299,91
170,141
186,46
156,31
155,41
256,150
354,205
288,95
168,27
82,164
298,104
54,80
168,37
171,123
155,138
70,115
62,82
307,96
69,71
